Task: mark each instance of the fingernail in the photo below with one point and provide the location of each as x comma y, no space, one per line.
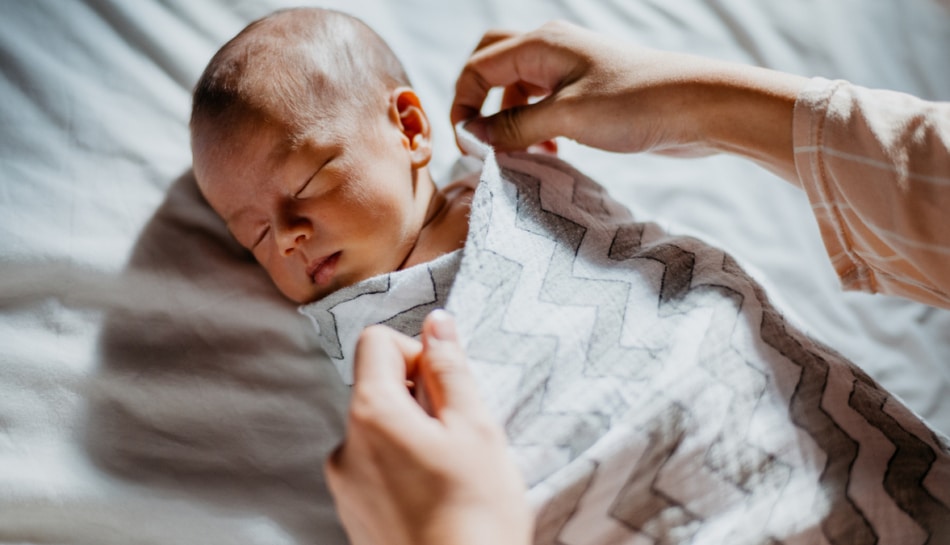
479,129
443,325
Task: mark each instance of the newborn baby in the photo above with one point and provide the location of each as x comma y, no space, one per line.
310,143
649,390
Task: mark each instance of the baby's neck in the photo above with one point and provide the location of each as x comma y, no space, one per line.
446,224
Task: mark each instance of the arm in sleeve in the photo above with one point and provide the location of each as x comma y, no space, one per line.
876,168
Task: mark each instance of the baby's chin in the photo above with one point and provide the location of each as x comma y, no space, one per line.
304,295
314,295
314,291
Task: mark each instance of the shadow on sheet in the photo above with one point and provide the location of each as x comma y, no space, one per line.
209,386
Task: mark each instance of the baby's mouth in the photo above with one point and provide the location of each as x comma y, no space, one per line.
321,270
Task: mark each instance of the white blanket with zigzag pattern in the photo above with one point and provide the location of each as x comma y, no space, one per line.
650,392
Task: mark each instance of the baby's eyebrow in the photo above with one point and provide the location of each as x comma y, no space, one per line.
258,237
234,218
277,155
232,222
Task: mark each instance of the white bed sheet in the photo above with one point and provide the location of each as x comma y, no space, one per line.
155,389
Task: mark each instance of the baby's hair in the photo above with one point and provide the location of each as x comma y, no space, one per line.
297,67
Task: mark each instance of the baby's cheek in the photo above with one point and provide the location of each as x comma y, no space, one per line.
278,274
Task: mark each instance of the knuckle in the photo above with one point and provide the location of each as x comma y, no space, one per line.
364,410
442,367
481,84
447,359
493,35
510,126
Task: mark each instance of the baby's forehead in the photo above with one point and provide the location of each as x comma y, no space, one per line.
265,142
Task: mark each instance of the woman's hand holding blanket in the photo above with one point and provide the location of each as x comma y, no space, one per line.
616,96
407,475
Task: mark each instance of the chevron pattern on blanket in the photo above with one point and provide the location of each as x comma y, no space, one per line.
650,392
698,414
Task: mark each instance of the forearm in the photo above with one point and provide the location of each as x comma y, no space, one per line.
748,111
617,96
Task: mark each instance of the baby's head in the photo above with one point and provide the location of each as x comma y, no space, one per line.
309,142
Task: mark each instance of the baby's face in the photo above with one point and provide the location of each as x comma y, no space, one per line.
347,205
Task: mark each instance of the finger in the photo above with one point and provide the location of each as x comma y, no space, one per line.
492,36
380,403
384,357
519,127
508,129
502,63
515,95
447,378
526,67
543,58
519,94
473,103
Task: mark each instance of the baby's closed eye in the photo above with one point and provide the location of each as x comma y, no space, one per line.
302,193
260,237
249,237
312,186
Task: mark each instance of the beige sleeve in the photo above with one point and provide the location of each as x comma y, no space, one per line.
876,168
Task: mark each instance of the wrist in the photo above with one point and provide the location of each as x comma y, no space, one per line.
748,111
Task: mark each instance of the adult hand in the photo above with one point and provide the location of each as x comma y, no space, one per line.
414,476
621,97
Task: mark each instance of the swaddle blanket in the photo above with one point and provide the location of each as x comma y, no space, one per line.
650,392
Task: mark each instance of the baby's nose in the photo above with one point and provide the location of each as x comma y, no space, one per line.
297,241
294,242
293,235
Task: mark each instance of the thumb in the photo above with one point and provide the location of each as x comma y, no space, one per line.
449,383
517,127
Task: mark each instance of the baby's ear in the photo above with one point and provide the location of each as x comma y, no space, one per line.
407,112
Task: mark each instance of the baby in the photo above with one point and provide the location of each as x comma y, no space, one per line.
647,386
310,143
